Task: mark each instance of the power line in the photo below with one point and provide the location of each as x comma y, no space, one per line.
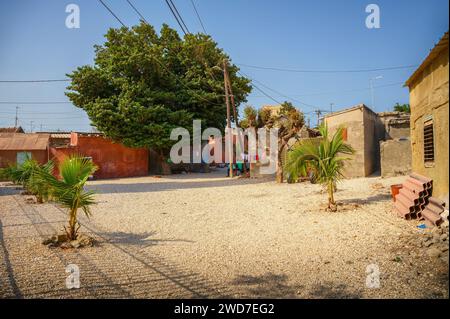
34,81
31,103
259,89
113,14
275,91
281,94
36,112
137,11
177,16
327,71
176,77
342,91
44,118
160,63
198,16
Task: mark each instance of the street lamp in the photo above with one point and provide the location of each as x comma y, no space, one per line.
371,89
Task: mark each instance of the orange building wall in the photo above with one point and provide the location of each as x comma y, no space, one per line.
10,157
113,159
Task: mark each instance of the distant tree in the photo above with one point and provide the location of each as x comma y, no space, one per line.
142,85
250,117
405,108
289,120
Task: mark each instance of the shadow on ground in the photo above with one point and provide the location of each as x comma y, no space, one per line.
142,239
367,200
330,290
272,285
106,187
269,285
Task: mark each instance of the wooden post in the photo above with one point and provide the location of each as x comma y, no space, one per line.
242,147
227,101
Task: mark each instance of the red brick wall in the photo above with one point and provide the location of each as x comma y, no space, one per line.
113,159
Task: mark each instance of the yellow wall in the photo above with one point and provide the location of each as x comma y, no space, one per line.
429,96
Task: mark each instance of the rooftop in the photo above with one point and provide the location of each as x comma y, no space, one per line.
23,141
438,48
350,109
11,129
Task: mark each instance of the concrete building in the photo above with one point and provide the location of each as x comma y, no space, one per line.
395,148
396,124
363,130
428,87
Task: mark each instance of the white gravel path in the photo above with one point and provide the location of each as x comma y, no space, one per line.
204,235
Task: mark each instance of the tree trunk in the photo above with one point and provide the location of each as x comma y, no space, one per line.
280,171
280,176
331,203
72,231
164,166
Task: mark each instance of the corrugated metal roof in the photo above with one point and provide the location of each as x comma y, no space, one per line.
23,141
11,130
60,135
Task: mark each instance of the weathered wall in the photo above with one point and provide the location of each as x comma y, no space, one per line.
399,130
396,124
113,159
374,131
395,157
10,157
353,122
429,97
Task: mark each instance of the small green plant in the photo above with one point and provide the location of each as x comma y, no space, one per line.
11,173
28,175
323,158
38,186
69,190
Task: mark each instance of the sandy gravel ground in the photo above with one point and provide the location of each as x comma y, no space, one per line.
203,235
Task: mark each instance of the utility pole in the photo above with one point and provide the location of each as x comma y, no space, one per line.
372,94
17,118
331,107
230,90
227,101
309,122
31,126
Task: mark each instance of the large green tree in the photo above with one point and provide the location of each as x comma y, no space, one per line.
144,84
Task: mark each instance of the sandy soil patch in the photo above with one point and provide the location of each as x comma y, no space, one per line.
204,235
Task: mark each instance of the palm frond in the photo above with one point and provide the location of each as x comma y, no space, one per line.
325,157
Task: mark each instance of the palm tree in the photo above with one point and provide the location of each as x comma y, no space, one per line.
69,190
36,185
322,157
25,171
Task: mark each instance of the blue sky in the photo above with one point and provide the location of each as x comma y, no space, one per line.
312,35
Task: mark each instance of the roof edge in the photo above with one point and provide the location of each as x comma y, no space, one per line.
353,108
440,46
